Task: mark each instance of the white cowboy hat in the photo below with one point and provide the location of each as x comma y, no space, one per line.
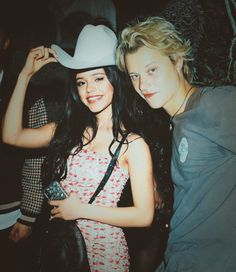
95,47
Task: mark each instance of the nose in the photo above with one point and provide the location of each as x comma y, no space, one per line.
90,87
143,84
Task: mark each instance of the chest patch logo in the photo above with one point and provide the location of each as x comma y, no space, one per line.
183,150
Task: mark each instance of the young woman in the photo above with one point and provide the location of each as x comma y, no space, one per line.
203,165
82,143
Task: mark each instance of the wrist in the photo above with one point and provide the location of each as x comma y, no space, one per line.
82,210
24,75
26,222
27,218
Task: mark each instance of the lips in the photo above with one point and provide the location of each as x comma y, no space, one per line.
149,95
93,98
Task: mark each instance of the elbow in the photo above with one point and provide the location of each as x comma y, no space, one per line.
147,222
5,139
8,139
147,219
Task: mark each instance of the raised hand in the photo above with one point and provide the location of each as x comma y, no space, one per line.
37,58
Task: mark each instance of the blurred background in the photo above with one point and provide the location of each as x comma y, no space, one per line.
213,33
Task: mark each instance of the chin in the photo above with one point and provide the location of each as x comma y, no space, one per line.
97,110
94,108
153,104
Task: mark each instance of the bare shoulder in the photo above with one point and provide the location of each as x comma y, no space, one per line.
135,139
136,144
133,150
138,155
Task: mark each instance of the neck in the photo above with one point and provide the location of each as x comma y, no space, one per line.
104,118
180,100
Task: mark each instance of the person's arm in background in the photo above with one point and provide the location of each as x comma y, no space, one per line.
31,181
13,131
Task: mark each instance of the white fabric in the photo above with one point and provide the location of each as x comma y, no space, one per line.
95,47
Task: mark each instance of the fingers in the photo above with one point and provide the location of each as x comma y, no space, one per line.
43,53
13,234
49,60
50,56
51,51
19,231
37,58
58,215
38,52
54,202
55,213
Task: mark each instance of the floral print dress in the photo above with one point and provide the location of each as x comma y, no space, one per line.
106,244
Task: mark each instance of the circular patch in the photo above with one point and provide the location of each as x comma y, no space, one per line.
183,149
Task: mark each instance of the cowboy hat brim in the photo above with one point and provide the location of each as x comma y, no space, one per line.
73,63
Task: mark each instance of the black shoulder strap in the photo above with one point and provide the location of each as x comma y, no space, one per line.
109,170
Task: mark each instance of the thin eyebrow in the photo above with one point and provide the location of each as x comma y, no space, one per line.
95,74
151,63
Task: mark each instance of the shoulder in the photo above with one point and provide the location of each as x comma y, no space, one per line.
135,139
137,156
214,98
137,146
215,107
217,93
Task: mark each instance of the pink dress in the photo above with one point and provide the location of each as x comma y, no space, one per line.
106,244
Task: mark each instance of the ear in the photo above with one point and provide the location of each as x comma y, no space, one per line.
179,64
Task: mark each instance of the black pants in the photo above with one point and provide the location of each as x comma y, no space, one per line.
146,248
19,256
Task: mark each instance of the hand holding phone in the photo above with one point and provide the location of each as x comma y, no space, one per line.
54,191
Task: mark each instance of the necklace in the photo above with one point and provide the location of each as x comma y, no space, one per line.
172,117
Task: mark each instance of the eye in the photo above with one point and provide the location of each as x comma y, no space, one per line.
99,79
80,83
152,70
134,77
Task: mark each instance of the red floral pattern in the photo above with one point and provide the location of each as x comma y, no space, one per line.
106,245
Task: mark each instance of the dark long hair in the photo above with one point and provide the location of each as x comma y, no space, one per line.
77,117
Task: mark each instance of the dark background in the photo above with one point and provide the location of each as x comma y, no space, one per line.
31,17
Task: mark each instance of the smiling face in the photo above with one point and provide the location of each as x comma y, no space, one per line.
94,89
154,76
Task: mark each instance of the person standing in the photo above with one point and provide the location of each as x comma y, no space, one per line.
202,230
95,120
10,170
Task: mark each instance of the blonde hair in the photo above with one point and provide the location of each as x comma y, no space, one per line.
157,33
